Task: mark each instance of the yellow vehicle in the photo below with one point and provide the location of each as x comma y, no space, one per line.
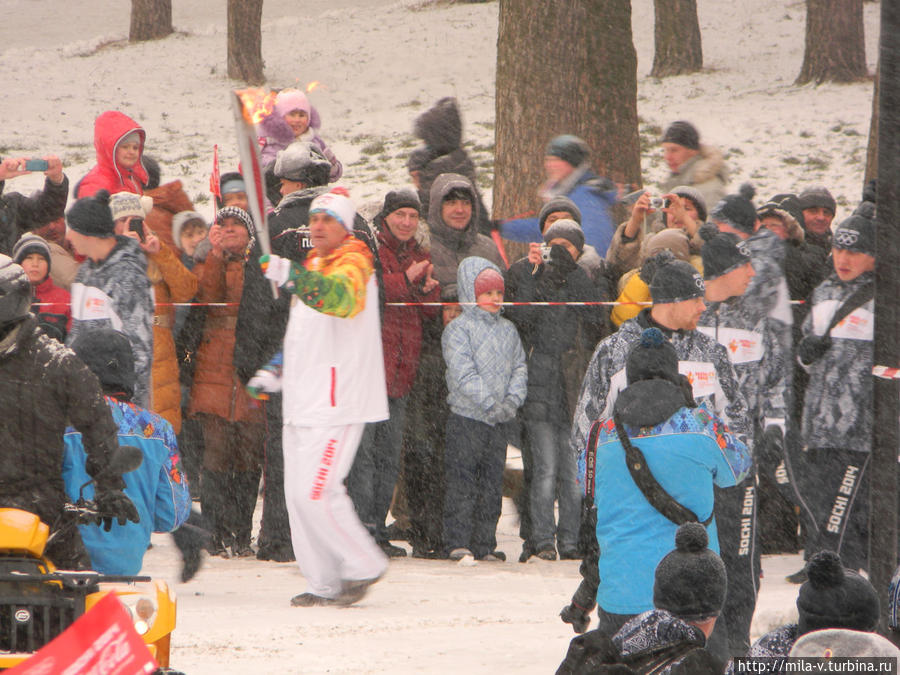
38,602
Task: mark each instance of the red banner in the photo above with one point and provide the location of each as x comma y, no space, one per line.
100,642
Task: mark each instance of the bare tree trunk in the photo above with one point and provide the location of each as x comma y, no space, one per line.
886,435
245,41
872,149
677,36
585,84
150,20
835,43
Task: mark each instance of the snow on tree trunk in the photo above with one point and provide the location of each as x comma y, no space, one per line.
245,41
567,66
676,35
835,43
150,20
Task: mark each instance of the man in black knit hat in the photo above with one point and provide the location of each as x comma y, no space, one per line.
679,635
111,288
760,364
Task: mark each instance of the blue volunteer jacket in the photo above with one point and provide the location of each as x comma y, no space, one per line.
158,488
687,454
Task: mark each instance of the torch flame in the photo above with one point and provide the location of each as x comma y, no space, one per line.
257,103
312,86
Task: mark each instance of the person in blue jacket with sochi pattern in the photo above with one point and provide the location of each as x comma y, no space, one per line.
158,488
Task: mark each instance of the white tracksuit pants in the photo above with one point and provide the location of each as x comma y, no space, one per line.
330,542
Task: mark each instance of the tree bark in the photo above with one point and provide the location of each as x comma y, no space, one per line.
872,148
150,20
886,435
676,35
245,41
835,42
584,84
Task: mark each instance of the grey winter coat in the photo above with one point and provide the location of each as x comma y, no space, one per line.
116,293
705,171
450,246
768,292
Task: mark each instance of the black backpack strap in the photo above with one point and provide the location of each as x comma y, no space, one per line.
590,460
856,300
659,499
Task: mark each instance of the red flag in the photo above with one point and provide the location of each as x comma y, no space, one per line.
101,641
214,181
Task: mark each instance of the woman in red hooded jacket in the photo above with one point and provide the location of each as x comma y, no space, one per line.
119,143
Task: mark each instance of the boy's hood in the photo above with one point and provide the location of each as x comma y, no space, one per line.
466,273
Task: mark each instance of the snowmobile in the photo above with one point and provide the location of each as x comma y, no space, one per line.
38,601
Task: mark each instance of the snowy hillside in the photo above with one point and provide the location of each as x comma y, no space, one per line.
379,64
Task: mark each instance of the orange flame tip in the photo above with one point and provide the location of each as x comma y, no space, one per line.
258,104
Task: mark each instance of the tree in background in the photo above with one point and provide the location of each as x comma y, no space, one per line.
245,41
835,42
567,66
150,20
872,147
676,33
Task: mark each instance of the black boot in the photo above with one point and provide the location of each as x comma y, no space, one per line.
243,495
191,538
213,498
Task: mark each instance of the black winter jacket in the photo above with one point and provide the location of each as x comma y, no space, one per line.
548,332
44,387
20,214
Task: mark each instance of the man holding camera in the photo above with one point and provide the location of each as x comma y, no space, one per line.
111,289
550,274
836,350
19,213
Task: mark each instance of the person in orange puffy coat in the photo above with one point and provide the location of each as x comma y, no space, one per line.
172,282
233,423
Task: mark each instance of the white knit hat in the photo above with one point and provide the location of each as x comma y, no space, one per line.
336,205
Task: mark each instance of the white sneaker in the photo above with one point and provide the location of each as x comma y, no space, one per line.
460,553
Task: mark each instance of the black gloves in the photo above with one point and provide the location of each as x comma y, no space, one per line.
557,270
812,348
575,615
114,504
772,451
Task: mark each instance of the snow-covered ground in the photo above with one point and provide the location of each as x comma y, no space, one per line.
380,63
425,616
